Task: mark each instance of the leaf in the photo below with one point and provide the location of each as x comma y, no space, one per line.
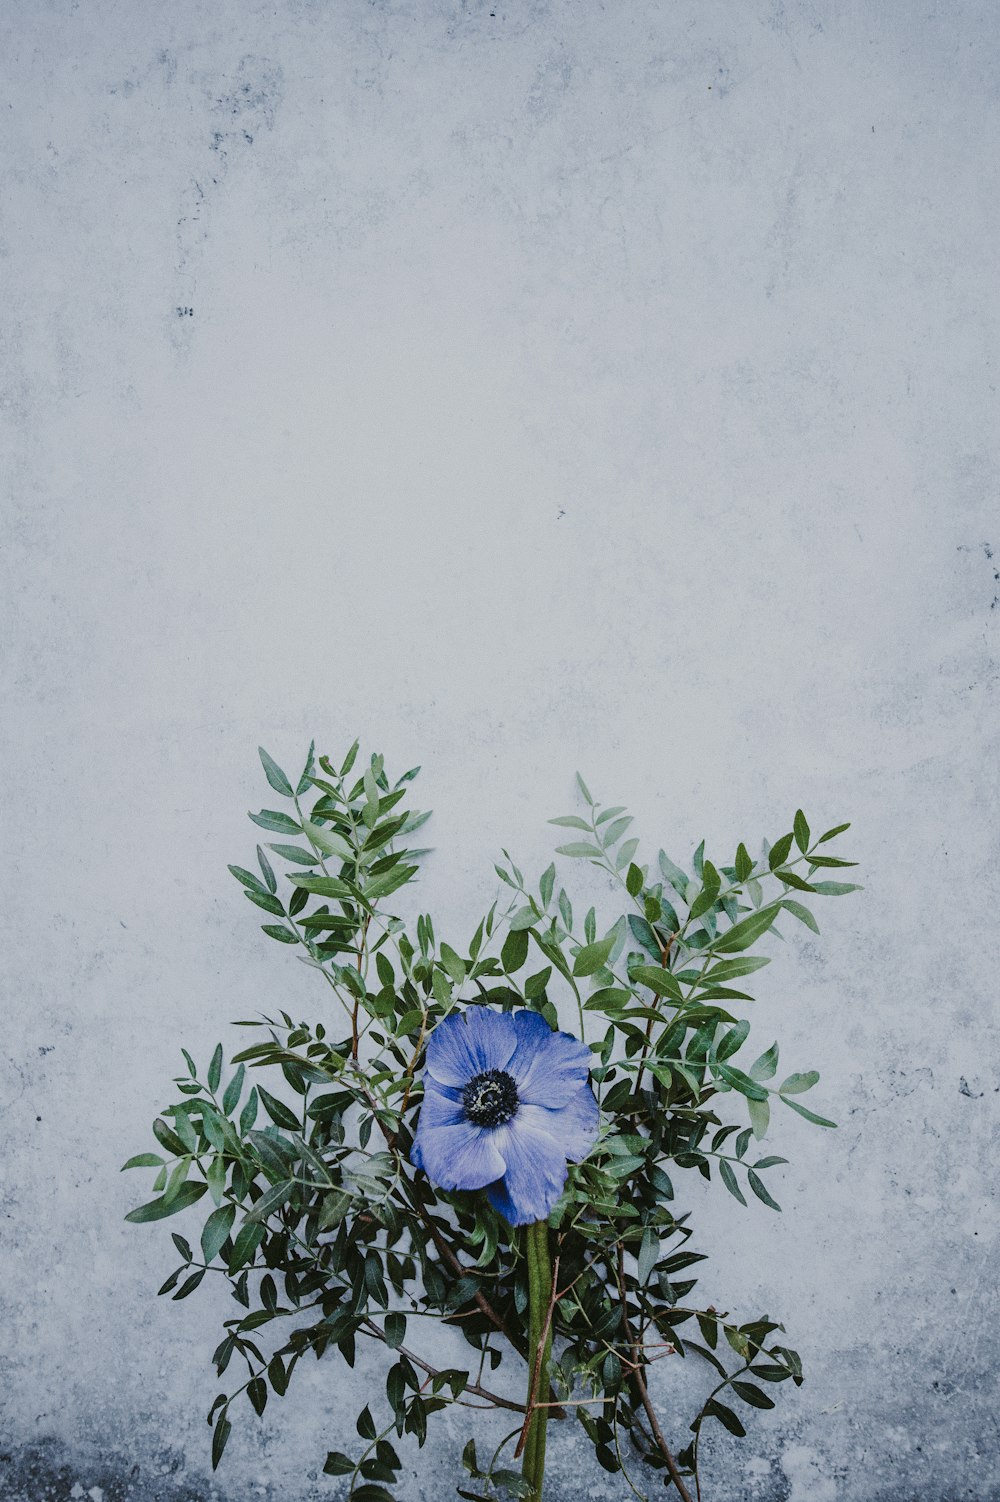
143,1160
649,1253
791,879
837,829
215,1069
159,1209
592,957
327,841
579,849
584,789
278,1111
274,774
571,821
294,854
272,1199
733,969
514,951
744,864
751,1394
747,931
223,1429
234,1090
809,1115
217,1227
757,1185
835,888
741,1082
266,901
614,832
727,1418
257,1393
269,818
338,1464
780,851
764,1067
323,886
395,1329
797,1083
733,1040
728,1177
523,918
803,914
828,862
658,980
801,831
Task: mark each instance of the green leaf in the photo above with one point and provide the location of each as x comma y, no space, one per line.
727,1418
633,881
657,979
546,884
747,1391
803,914
741,1082
809,1115
747,931
760,1116
338,1464
579,849
272,1199
733,1040
733,969
780,851
159,1209
801,831
728,1177
571,821
524,918
649,1253
215,1069
269,818
797,1083
217,1227
266,901
514,951
327,841
267,871
792,879
744,865
248,1239
294,854
757,1185
323,886
279,932
584,789
835,888
143,1160
592,957
764,1067
223,1429
278,1111
837,829
829,862
234,1090
395,1329
335,1207
274,774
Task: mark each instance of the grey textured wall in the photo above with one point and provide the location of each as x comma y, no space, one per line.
522,387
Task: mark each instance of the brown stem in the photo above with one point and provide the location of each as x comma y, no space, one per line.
636,1377
432,1371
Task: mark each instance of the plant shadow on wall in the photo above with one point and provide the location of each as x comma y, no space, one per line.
446,1152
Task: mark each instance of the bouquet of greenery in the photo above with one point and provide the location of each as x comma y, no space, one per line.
438,1148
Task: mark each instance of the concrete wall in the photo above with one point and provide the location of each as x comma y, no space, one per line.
521,387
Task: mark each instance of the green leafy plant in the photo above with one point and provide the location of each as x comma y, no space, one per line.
328,1234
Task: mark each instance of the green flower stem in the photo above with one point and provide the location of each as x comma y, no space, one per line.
536,1246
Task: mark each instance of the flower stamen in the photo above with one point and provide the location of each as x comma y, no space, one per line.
490,1099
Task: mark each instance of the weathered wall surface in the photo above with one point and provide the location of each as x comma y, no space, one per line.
522,387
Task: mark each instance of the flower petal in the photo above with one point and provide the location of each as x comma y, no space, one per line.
576,1124
469,1043
547,1067
462,1156
536,1166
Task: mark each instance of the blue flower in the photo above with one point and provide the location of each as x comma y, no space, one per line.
506,1102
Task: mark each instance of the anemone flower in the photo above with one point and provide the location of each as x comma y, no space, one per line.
507,1102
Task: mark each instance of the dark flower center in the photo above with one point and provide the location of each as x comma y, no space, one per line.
490,1099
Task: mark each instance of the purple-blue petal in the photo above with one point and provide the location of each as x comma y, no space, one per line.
535,1166
548,1068
575,1125
457,1156
469,1043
